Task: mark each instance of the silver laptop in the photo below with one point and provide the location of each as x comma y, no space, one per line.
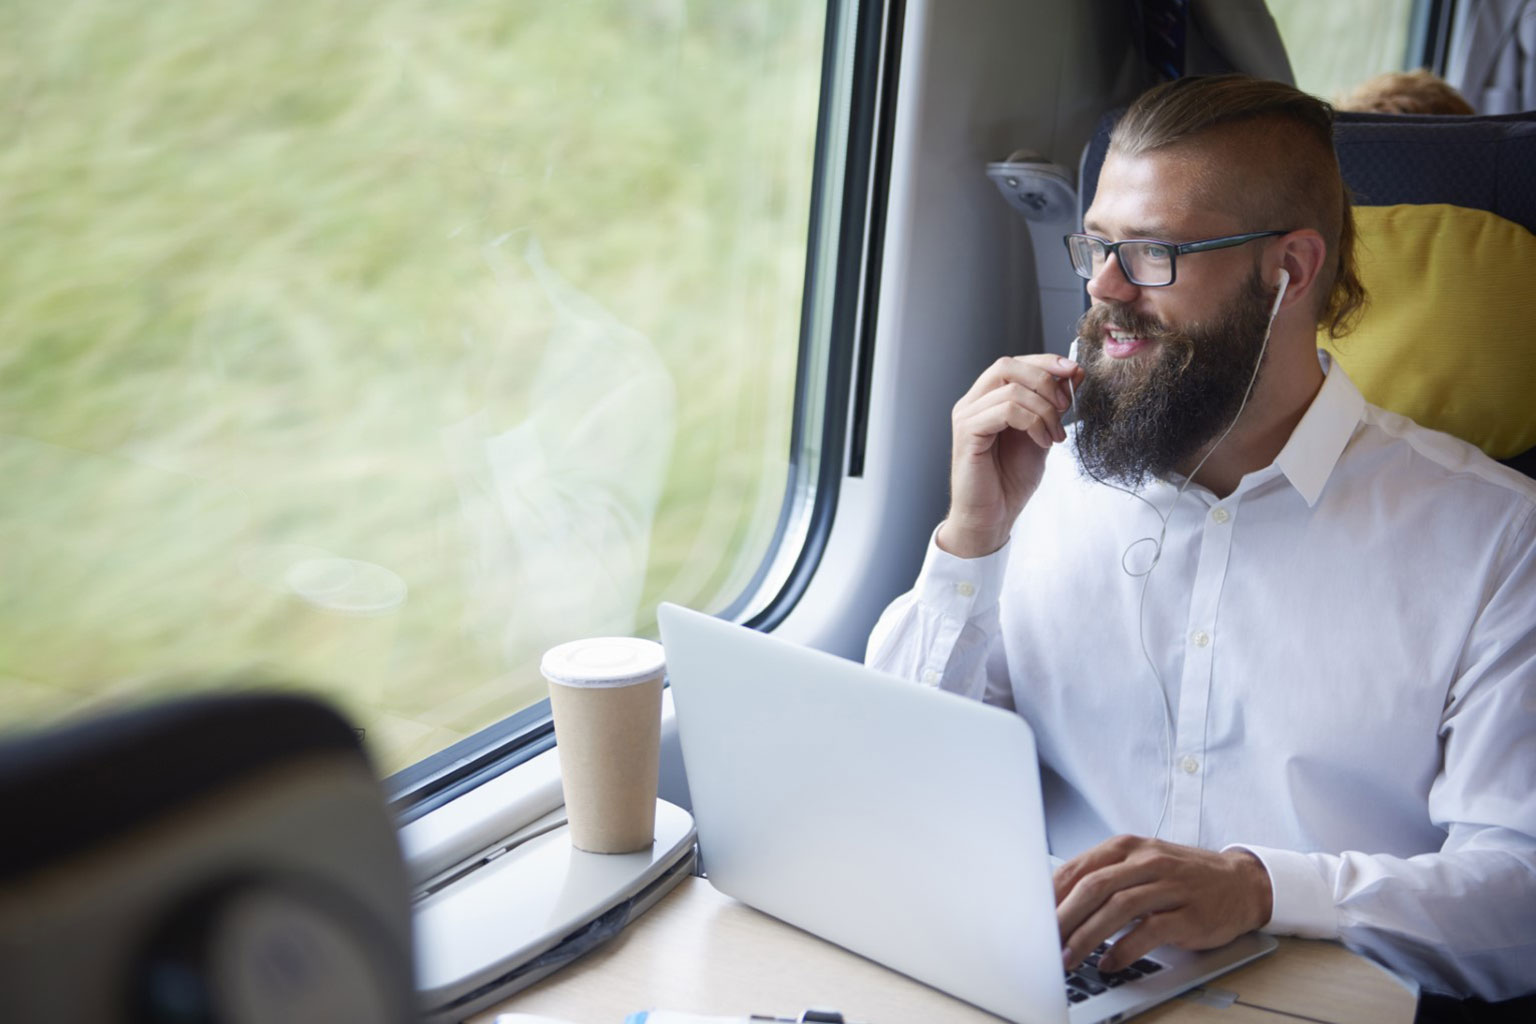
895,820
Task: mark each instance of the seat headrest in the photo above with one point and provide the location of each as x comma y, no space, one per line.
1483,163
1445,339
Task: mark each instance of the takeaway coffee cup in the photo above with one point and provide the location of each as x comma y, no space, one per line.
605,694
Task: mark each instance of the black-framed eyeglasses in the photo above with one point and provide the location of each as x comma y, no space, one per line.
1145,262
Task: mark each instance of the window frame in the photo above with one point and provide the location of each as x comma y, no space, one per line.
1429,35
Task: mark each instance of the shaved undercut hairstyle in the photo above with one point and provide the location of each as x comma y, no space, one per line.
1273,165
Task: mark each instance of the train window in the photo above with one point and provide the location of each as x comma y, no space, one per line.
374,346
1335,46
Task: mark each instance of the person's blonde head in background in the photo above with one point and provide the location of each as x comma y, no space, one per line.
1405,92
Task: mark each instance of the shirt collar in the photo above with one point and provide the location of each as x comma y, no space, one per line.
1308,458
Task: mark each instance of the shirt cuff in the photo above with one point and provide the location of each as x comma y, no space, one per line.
957,587
1302,901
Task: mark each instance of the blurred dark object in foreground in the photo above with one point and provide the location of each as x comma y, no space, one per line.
219,860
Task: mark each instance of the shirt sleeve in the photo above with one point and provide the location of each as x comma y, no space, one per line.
1463,919
942,631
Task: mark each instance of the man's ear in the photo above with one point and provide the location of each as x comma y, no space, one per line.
1302,254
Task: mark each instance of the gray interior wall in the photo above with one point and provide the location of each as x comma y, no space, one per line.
979,79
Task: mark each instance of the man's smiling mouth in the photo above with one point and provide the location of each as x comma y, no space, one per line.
1120,344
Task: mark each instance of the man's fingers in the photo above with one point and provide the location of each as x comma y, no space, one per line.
978,434
1046,375
1048,400
1150,911
1010,406
1110,851
1041,408
1152,931
1106,901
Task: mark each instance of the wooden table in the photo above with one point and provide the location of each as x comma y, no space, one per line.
702,952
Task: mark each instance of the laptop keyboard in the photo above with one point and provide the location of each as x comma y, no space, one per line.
1088,981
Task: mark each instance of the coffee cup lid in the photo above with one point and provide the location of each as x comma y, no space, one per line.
604,661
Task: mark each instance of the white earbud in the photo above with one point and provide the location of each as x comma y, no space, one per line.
1282,282
1072,355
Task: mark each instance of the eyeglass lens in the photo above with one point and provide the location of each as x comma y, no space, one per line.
1145,263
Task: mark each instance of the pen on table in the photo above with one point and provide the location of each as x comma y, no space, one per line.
672,1017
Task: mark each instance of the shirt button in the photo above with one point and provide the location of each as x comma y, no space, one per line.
964,589
1190,765
1221,515
1201,638
930,676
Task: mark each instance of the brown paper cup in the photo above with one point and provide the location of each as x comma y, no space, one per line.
605,695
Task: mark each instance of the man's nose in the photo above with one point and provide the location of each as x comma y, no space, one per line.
1110,284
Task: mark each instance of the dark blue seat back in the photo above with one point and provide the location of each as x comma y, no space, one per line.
1487,163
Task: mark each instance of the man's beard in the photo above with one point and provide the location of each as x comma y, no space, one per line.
1145,415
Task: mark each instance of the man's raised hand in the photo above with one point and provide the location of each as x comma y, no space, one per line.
1002,430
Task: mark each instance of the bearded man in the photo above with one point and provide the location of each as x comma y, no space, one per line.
1278,646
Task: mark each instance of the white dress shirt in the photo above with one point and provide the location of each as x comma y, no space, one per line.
1347,647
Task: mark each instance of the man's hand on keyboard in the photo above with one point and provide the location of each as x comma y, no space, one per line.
1174,895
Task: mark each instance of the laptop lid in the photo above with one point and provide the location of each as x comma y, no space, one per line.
898,821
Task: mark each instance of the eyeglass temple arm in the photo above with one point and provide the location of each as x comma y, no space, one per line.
1224,243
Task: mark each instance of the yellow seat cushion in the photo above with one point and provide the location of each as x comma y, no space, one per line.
1449,335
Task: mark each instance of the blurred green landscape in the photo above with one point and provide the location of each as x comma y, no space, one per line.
373,347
